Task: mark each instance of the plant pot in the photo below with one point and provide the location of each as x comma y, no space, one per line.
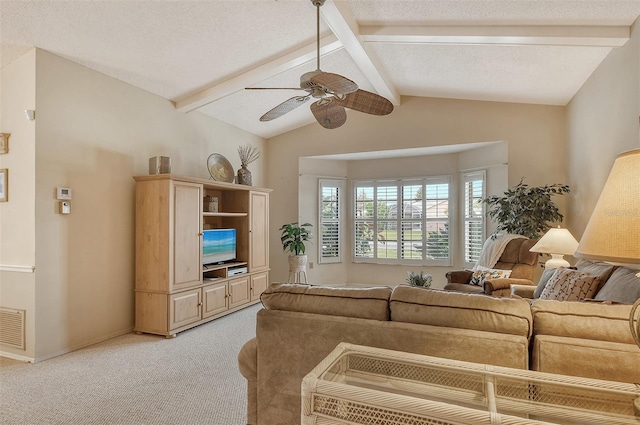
297,268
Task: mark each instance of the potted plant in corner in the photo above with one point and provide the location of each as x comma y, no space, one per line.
293,239
525,210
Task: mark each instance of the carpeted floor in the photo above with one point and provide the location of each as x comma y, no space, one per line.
136,379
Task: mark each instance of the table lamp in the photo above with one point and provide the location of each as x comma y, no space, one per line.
557,243
613,232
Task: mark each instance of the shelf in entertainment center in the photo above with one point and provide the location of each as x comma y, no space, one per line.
213,267
224,214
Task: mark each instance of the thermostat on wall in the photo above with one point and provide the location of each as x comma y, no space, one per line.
63,193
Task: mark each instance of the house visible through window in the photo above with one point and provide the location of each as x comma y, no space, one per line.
402,221
330,218
474,224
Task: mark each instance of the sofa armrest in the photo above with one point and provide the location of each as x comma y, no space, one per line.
459,276
502,287
522,291
248,365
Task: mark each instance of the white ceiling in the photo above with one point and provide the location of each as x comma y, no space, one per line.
201,54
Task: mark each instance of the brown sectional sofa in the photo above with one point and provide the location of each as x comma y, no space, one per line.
299,325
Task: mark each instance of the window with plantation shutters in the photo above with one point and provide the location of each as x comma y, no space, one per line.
474,217
330,218
402,221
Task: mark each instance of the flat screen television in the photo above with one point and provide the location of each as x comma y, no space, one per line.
218,245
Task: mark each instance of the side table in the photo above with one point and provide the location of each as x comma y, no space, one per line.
364,385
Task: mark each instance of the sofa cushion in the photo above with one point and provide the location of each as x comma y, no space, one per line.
460,310
570,285
596,268
623,287
612,361
481,274
587,320
365,303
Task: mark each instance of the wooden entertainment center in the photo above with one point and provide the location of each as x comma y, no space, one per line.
174,291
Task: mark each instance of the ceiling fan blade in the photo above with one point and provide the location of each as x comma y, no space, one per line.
286,106
274,88
329,114
335,83
367,102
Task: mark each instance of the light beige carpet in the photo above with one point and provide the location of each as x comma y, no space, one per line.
134,379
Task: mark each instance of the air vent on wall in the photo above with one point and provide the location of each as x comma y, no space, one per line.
12,327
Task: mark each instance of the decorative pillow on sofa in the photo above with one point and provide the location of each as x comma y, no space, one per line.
481,274
570,285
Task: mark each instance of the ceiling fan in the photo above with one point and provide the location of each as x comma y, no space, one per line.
334,93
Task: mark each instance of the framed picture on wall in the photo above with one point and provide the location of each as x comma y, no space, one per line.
4,143
4,184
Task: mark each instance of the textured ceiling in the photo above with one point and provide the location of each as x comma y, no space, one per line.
202,54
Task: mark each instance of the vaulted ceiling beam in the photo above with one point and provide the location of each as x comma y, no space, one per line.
545,35
256,75
339,18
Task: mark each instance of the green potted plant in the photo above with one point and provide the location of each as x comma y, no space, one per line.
525,210
419,279
293,239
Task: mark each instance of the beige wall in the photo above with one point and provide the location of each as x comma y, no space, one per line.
17,217
602,121
534,134
93,134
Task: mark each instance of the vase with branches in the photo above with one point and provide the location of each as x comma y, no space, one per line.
247,154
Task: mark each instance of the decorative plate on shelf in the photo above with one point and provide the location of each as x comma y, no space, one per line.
220,168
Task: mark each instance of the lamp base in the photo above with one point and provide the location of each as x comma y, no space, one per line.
556,261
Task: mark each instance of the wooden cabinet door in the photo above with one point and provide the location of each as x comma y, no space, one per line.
259,231
187,240
259,283
214,299
238,291
184,308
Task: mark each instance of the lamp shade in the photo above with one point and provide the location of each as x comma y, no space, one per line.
556,241
613,231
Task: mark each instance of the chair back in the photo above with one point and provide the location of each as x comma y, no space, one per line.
517,258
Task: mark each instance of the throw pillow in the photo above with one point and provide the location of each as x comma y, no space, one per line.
570,285
481,274
622,287
546,275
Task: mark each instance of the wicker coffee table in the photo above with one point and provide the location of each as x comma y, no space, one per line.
364,385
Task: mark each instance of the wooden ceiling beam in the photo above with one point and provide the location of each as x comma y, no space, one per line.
256,75
339,18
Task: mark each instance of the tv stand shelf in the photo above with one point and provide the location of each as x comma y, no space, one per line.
223,214
213,267
174,290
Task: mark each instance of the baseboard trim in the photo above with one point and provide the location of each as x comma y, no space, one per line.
17,357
